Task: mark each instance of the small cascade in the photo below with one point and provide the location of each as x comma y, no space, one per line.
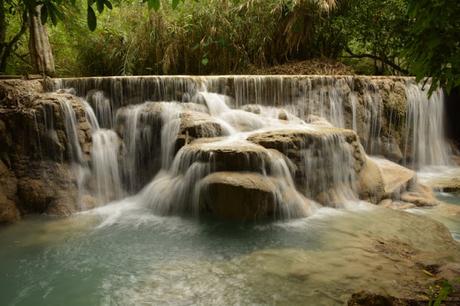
102,108
424,138
141,133
373,115
79,165
106,172
170,116
354,103
329,171
90,115
102,177
70,123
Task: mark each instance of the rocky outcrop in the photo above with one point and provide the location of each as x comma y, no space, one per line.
35,158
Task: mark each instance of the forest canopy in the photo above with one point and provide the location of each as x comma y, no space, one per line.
135,37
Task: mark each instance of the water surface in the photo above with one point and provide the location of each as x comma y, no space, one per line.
123,255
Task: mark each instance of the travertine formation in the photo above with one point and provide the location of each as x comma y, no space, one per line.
219,145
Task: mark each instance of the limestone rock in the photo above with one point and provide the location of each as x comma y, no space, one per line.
238,196
9,213
47,188
225,155
420,195
381,178
388,203
199,125
395,177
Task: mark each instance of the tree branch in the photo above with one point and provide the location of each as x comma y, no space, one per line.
375,57
9,46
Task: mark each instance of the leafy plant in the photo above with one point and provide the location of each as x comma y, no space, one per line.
434,46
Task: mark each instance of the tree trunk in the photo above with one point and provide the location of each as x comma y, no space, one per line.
39,45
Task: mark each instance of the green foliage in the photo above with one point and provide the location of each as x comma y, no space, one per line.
229,36
434,46
441,292
375,30
201,37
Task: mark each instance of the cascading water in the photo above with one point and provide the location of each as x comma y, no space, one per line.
102,108
425,129
188,146
70,123
170,116
79,165
106,172
153,150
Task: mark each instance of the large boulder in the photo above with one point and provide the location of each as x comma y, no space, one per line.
238,196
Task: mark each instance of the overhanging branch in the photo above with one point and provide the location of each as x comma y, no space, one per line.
9,46
375,57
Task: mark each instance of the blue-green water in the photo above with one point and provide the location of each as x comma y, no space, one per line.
122,256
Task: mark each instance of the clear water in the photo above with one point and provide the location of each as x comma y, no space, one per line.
120,255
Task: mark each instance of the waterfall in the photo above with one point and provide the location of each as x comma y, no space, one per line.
424,137
79,165
104,156
104,168
141,132
90,115
70,123
102,108
176,143
329,170
170,116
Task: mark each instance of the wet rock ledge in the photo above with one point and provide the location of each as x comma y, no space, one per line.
35,173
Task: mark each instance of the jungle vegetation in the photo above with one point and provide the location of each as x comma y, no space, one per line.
135,37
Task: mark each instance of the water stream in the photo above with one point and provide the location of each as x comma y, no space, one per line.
146,259
148,242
